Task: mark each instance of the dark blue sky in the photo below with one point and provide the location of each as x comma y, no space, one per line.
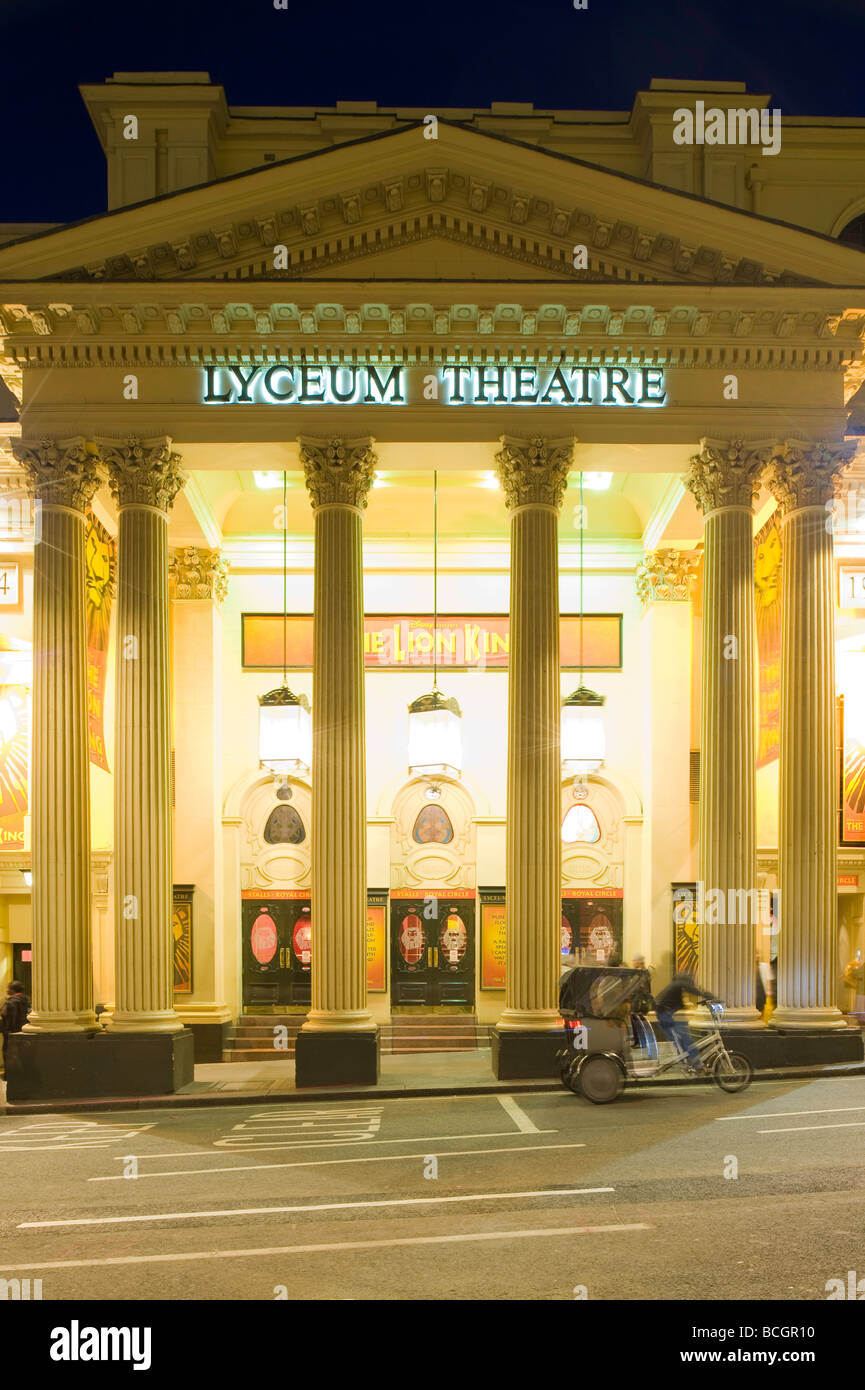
807,53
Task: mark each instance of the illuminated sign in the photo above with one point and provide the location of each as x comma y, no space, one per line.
320,383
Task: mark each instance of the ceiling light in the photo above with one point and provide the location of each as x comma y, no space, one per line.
267,478
597,482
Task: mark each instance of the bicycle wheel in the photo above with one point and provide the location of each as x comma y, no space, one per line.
601,1079
562,1066
732,1072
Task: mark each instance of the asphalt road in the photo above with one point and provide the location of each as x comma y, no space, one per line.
445,1198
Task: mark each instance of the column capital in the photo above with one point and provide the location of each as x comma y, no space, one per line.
534,470
726,472
338,470
62,472
196,573
666,575
143,472
806,473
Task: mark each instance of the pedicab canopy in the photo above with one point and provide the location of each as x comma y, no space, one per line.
601,991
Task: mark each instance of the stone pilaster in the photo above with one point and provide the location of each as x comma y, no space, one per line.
339,474
145,477
64,476
803,477
533,474
724,478
665,581
198,582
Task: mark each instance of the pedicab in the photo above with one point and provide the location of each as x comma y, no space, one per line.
609,1039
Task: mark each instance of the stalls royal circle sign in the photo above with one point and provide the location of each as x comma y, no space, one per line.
523,384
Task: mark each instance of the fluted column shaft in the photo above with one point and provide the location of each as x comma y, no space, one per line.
338,475
65,477
533,475
802,478
724,479
145,478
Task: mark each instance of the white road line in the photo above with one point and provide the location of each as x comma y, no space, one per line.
800,1129
318,1206
329,1162
784,1114
518,1115
349,1143
542,1233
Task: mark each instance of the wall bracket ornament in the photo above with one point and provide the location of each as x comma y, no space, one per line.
195,573
726,473
667,575
806,473
534,471
62,472
143,472
338,471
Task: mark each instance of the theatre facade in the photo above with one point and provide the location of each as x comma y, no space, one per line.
430,546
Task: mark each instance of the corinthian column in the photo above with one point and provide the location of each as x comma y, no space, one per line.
64,476
533,474
724,478
802,477
145,478
339,1040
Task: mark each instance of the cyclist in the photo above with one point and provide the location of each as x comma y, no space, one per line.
667,1003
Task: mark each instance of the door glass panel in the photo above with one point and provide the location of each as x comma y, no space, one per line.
453,939
263,939
301,938
411,939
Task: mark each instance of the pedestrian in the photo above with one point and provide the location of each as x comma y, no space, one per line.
13,1014
667,1003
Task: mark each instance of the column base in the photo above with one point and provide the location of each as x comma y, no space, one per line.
154,1021
339,1021
733,1018
518,1054
337,1058
45,1022
786,1016
527,1020
90,1066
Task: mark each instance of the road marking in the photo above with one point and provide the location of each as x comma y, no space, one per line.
518,1115
800,1129
329,1162
90,1135
355,1143
542,1233
784,1114
318,1206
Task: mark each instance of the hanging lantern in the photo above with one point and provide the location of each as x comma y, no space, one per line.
583,737
435,744
284,732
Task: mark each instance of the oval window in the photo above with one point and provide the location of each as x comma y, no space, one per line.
433,826
263,938
284,827
580,826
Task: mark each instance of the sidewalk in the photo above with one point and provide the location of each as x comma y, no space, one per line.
409,1074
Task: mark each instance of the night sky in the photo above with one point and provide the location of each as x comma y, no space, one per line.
807,53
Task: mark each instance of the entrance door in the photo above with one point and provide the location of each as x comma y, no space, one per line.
591,928
432,950
277,952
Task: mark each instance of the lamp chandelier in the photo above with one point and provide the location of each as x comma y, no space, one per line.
583,737
434,720
284,724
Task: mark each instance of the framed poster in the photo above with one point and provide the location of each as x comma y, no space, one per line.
686,933
494,938
182,936
11,587
851,674
376,940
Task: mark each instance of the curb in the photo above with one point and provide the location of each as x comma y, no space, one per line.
338,1093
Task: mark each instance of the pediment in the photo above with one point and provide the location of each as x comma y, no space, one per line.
467,205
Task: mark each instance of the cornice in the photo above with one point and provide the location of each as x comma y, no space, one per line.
718,327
